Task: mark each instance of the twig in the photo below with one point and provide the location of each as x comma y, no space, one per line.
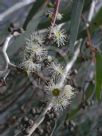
90,16
89,41
14,8
54,16
3,52
90,45
53,129
70,64
91,12
40,119
56,12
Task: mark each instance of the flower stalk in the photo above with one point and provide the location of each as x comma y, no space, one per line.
60,84
54,17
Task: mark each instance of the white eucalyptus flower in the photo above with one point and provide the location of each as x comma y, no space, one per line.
37,50
60,97
29,66
34,46
50,59
59,16
35,38
57,68
50,15
59,35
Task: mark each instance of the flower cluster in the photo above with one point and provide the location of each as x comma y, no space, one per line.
60,97
58,35
35,45
34,53
29,66
36,59
57,68
50,15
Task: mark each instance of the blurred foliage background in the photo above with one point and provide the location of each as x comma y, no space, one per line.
19,97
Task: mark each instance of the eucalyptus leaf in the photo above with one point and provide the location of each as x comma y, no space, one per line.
30,25
75,21
35,8
98,75
97,21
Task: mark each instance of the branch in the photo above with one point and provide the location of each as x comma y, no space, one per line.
54,16
17,6
55,12
3,52
89,42
40,119
91,12
70,65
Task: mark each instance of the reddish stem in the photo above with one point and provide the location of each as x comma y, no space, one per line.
89,43
57,4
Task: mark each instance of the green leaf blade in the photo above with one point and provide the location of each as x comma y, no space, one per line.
75,21
98,76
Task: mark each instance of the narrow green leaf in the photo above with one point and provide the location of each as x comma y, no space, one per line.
59,122
87,5
89,92
75,21
98,75
97,21
30,26
72,113
35,8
